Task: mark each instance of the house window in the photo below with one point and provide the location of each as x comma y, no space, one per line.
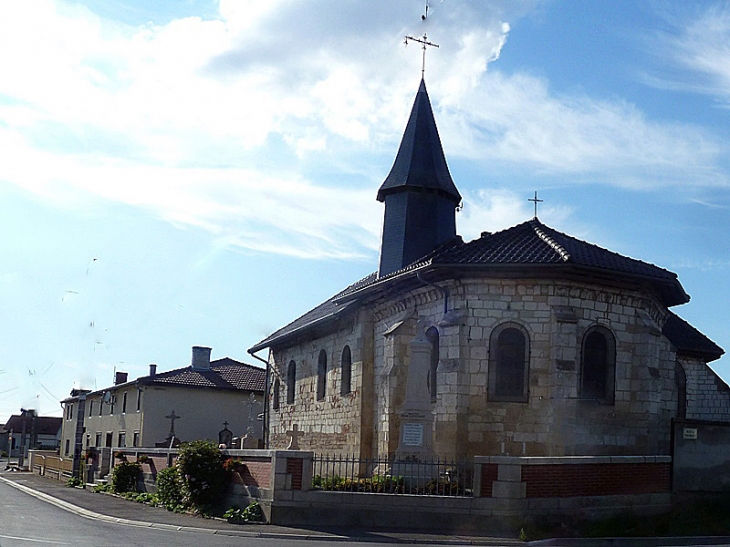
101,406
91,407
124,403
277,388
321,375
69,411
109,439
97,441
432,335
122,439
598,364
68,447
291,382
509,355
346,369
88,440
139,399
135,439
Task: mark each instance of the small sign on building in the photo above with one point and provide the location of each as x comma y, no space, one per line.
689,434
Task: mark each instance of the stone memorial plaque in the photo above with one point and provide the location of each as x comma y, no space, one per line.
412,434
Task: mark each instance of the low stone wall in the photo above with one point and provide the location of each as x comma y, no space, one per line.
50,464
701,456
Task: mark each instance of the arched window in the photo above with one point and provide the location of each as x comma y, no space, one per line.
432,335
597,365
346,370
509,354
680,377
321,375
275,395
291,382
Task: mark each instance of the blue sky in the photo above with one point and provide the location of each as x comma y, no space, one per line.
201,173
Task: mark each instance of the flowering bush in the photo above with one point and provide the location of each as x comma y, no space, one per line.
204,483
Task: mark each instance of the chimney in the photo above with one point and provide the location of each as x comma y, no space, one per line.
153,369
201,358
120,378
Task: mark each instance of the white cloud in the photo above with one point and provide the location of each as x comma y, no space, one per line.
213,122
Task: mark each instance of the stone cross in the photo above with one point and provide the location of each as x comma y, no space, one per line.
253,406
172,417
294,435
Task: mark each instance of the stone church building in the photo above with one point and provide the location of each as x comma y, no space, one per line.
538,343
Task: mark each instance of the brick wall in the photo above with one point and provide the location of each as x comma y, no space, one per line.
295,468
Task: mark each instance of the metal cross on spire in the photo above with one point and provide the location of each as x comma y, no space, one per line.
425,43
535,201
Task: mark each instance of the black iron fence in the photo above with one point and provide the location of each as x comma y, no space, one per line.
431,477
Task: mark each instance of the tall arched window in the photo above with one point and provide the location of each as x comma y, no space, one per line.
321,375
432,335
275,395
346,370
509,355
291,382
597,365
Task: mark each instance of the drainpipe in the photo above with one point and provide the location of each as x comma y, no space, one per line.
266,399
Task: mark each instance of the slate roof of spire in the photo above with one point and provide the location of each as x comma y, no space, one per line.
420,162
532,247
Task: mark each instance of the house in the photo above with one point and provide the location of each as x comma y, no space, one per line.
527,341
28,431
185,404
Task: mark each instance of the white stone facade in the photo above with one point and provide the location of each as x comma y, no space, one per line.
554,421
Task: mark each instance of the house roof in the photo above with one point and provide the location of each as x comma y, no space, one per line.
532,246
687,339
420,163
44,425
223,374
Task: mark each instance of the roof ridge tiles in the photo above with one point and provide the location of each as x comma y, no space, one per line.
564,254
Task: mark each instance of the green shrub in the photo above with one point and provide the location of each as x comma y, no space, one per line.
169,488
103,488
3,454
204,480
125,477
74,482
252,513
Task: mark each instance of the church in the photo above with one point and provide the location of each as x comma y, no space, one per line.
530,342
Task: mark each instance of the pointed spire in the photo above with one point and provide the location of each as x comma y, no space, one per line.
420,197
420,163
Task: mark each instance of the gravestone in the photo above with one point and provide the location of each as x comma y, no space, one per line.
225,436
294,435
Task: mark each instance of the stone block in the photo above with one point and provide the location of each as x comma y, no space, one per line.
509,473
509,490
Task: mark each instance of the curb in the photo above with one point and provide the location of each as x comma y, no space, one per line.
86,513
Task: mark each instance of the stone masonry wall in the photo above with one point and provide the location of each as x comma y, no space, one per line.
708,397
333,424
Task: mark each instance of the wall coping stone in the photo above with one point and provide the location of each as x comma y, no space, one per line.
569,460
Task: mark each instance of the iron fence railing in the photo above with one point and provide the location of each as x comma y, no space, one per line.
430,477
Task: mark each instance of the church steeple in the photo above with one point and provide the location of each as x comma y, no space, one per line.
419,195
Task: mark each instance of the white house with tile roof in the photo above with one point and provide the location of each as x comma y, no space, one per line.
539,344
194,402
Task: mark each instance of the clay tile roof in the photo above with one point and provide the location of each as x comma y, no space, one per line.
44,425
223,374
530,244
689,340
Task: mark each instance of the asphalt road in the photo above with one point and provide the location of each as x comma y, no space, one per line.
26,521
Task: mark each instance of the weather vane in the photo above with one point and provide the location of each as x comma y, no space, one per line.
425,43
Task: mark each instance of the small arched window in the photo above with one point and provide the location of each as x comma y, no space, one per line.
432,335
598,364
346,370
509,354
275,395
291,382
321,375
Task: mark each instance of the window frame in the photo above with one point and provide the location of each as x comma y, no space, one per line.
609,394
433,336
495,368
346,371
291,382
322,375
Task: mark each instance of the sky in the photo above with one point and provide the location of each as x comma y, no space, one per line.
201,172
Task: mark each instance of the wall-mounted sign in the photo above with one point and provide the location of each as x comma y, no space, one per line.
689,434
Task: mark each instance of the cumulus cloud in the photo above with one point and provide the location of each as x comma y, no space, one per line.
271,126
